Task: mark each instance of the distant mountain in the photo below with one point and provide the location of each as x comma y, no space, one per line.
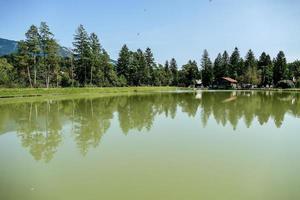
10,46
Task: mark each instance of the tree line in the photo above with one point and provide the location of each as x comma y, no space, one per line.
38,63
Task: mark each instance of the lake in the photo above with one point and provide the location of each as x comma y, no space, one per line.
157,146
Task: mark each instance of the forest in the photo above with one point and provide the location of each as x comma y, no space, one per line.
38,64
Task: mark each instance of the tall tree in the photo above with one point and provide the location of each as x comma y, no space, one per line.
33,45
168,74
95,56
280,68
174,71
49,50
207,69
265,68
234,63
149,65
123,63
81,54
225,64
251,74
218,67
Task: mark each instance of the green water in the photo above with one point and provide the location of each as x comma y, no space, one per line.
162,146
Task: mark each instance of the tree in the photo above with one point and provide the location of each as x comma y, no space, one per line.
265,68
95,57
81,54
49,50
234,63
23,59
225,64
280,68
149,66
6,70
174,72
168,74
218,67
207,69
190,73
33,46
251,75
123,63
109,76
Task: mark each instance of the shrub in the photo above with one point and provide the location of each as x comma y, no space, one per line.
285,84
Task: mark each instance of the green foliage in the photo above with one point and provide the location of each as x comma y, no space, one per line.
174,72
285,84
190,73
6,71
38,63
280,68
207,69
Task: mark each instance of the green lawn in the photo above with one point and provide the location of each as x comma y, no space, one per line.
36,92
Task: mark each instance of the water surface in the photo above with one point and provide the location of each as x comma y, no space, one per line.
161,146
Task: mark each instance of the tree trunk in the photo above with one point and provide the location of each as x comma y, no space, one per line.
34,63
29,76
91,75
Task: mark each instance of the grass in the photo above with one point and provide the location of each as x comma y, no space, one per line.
20,94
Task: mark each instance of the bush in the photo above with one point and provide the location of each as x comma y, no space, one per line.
298,83
285,84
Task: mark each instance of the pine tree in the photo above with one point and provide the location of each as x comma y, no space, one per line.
265,68
123,63
81,54
33,45
49,50
234,64
95,57
207,69
280,68
149,66
174,72
225,64
251,75
218,67
168,74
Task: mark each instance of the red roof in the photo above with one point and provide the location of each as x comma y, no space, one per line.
229,79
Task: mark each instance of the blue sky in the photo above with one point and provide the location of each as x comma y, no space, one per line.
171,28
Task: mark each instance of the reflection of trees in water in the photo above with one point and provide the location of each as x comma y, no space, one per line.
40,124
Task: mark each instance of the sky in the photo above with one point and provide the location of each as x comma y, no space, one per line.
171,28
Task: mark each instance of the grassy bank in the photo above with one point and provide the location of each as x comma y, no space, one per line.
42,92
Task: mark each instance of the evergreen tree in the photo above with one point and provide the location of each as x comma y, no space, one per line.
207,69
218,67
174,72
168,74
251,75
225,64
95,67
123,63
149,66
265,68
109,75
49,50
234,64
280,68
81,55
33,46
